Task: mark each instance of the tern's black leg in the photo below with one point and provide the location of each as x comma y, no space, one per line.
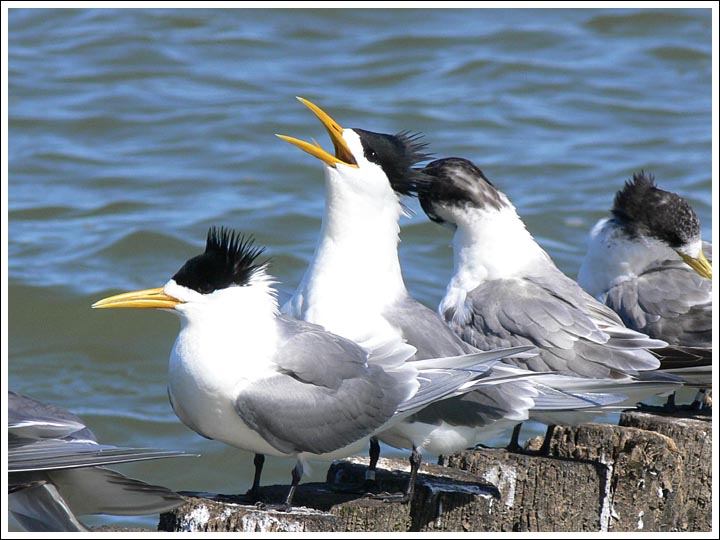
670,403
514,445
368,486
372,467
545,448
415,461
701,400
297,473
254,492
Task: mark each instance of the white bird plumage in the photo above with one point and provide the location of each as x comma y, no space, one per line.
354,285
242,373
648,263
506,290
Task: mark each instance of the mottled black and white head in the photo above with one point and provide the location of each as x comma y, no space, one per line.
491,241
366,164
642,210
648,225
458,186
226,277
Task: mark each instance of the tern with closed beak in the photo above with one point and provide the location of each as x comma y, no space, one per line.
242,373
648,262
506,290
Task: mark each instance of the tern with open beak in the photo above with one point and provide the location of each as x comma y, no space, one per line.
354,287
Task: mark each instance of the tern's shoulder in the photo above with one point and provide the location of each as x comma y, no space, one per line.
32,419
422,328
575,334
323,395
669,301
317,355
545,298
526,310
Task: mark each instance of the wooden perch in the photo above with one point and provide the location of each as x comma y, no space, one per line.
651,473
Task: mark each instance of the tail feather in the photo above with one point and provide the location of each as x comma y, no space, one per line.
40,508
96,490
442,378
50,454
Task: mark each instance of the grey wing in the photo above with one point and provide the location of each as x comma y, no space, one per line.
323,398
481,407
32,419
50,501
52,454
40,508
669,301
44,437
422,328
425,330
550,316
96,490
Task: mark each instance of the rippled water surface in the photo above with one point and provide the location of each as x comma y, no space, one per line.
132,131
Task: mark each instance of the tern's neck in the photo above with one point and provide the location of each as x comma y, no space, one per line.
613,257
231,333
225,343
355,268
492,244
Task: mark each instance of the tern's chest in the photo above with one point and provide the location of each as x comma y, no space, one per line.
206,374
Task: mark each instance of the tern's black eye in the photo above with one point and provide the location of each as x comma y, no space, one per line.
396,155
205,288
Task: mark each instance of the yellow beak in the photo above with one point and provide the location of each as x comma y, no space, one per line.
148,298
343,155
699,264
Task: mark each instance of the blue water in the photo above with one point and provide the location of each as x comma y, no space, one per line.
132,131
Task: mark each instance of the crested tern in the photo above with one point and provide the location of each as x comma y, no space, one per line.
649,264
354,287
505,290
56,471
242,373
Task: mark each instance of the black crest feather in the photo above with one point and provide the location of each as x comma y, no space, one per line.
229,260
456,181
645,210
397,154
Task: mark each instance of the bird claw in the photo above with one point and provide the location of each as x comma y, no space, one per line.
281,507
515,448
388,497
253,495
365,488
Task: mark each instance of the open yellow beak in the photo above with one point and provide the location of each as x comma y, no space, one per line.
343,155
148,298
699,264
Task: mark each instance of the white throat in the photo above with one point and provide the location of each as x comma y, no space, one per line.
489,244
227,339
612,257
355,271
493,244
